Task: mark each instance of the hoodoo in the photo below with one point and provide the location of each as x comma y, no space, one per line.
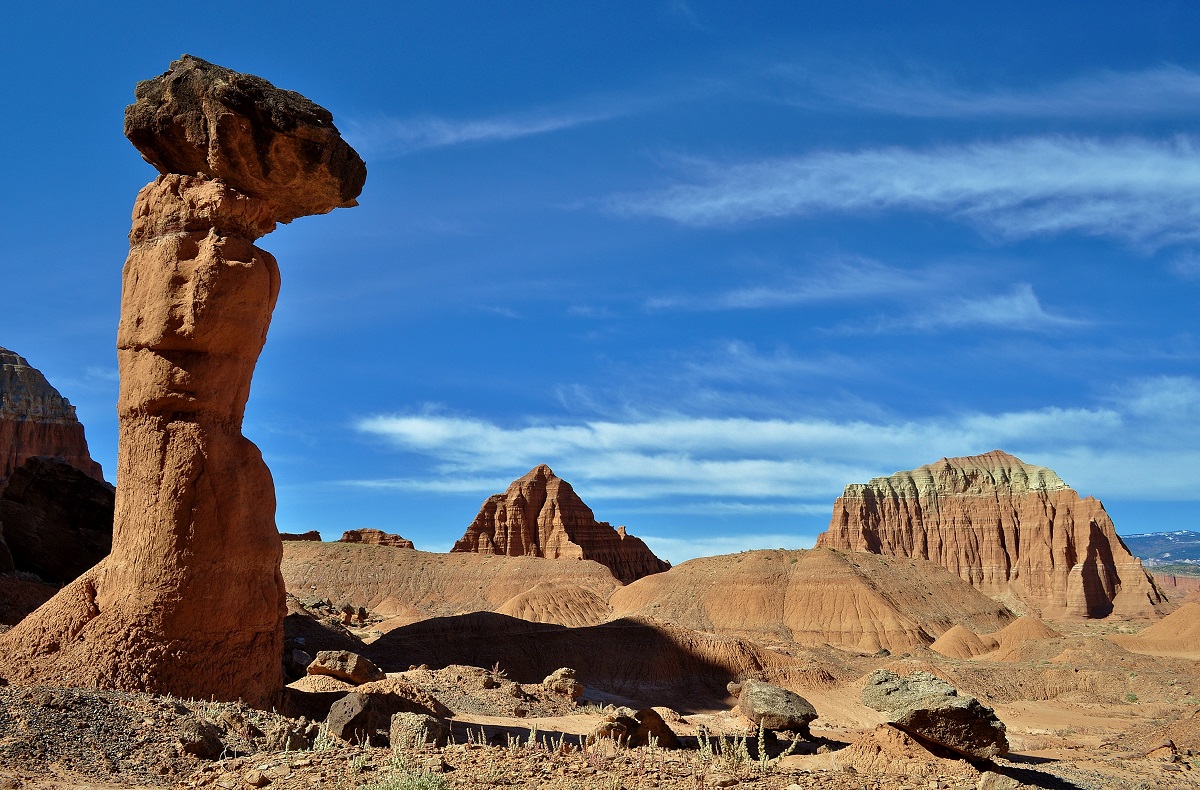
1015,531
191,599
540,515
36,420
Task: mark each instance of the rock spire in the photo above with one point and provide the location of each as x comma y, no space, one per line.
191,600
540,515
1015,531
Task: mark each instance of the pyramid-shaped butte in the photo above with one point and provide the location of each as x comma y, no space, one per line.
540,515
1015,531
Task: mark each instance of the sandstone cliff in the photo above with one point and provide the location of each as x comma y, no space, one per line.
540,515
36,420
1013,530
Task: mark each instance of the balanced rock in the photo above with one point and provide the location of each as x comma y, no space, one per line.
375,537
347,666
931,710
191,600
268,143
540,515
1013,530
36,420
774,708
57,520
366,718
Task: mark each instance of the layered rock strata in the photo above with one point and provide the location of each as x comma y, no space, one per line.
36,420
191,599
1013,530
540,515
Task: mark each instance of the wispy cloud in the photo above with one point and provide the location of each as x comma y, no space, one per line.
1141,443
1186,265
1165,91
399,136
842,279
1019,310
1134,189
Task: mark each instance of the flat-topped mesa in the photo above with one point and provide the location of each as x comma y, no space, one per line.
540,515
36,420
1015,531
191,600
375,537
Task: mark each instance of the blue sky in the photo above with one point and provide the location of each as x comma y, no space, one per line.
711,262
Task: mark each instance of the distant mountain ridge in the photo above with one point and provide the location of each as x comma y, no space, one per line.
1156,549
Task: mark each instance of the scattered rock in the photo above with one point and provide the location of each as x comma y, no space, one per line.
990,780
347,666
200,739
930,709
775,708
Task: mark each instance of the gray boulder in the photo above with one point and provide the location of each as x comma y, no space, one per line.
932,710
414,729
775,708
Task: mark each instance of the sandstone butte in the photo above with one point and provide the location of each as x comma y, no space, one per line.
1013,530
36,420
191,600
540,515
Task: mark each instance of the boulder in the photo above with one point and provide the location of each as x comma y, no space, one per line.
200,118
191,600
347,666
57,520
634,729
1008,528
375,537
775,708
562,681
540,515
416,729
931,710
367,718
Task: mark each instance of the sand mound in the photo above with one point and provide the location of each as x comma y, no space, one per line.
962,643
1013,639
858,601
1176,635
557,602
403,583
887,750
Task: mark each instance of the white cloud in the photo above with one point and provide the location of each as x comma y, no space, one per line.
398,136
1144,444
1166,91
1138,190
